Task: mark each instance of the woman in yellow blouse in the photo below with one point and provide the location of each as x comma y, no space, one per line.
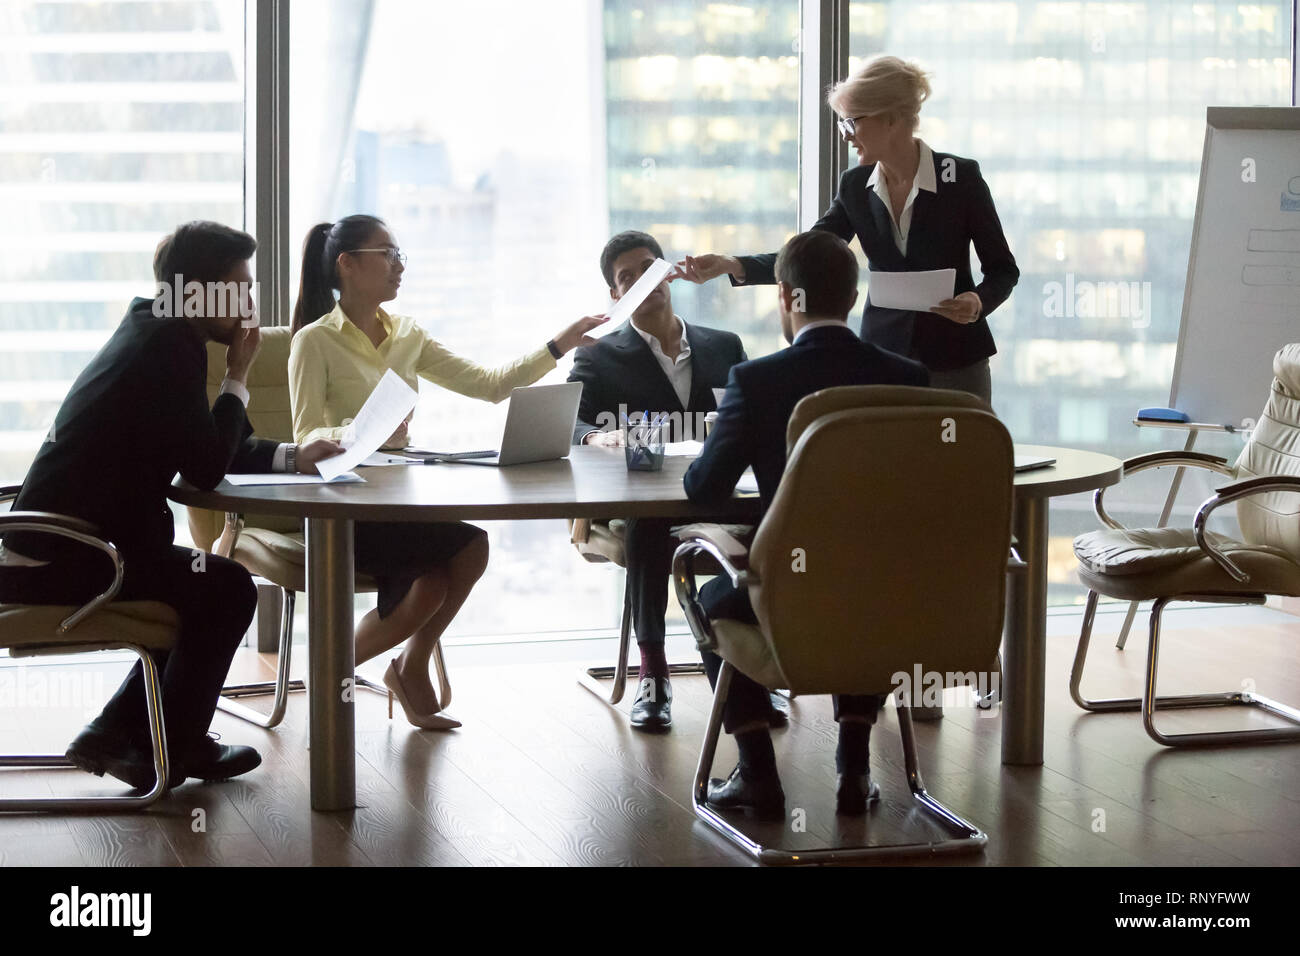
340,351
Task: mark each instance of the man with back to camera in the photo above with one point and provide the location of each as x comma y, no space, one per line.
653,363
817,280
136,415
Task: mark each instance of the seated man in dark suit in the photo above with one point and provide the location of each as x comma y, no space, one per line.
817,279
135,416
654,362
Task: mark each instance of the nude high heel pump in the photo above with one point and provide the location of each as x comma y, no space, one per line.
423,721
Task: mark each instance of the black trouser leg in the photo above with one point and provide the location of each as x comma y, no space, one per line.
855,714
649,548
215,606
747,701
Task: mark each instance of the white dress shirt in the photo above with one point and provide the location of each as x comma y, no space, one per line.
678,370
924,179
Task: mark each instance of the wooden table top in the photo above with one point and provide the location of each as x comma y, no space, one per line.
1074,471
593,482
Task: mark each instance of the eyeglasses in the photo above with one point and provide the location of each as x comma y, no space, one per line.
848,125
392,253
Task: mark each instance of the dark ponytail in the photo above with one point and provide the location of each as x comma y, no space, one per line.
320,253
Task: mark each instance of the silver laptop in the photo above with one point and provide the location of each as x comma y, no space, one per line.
539,427
1032,463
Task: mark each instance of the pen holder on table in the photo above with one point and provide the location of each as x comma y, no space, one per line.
644,447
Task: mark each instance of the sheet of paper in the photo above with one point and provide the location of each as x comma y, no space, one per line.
687,449
284,478
917,291
381,458
634,296
385,409
748,484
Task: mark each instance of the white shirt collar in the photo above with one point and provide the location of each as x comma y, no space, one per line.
653,342
819,324
924,170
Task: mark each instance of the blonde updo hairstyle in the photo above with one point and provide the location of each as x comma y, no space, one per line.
885,87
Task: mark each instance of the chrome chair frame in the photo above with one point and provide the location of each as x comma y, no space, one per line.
591,677
965,836
282,686
80,531
1150,702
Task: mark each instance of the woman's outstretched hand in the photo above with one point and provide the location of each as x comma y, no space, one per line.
576,334
701,269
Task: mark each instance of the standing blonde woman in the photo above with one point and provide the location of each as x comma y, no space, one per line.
912,210
340,351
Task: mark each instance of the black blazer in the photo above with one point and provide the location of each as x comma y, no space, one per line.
621,370
135,416
761,396
944,224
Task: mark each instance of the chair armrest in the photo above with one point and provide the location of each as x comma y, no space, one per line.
10,492
65,526
733,556
225,544
719,542
49,519
579,530
1160,459
1226,495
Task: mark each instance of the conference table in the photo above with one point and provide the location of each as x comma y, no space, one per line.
593,482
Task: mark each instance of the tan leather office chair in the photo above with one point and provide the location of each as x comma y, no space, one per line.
603,541
46,630
1195,564
272,547
886,585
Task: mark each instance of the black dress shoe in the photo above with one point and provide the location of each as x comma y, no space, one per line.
652,711
100,751
854,792
213,761
760,796
779,714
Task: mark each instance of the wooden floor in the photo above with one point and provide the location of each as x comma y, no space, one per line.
544,773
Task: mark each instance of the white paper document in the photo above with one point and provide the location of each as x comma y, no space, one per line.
685,449
917,291
285,478
385,409
748,484
634,296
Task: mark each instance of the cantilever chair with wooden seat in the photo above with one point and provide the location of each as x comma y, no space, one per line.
272,548
912,570
101,624
1195,564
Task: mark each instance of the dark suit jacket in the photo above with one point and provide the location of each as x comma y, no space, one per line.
761,396
621,370
135,416
944,224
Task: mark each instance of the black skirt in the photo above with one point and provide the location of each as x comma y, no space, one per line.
396,553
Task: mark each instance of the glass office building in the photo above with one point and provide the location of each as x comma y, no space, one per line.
505,147
117,121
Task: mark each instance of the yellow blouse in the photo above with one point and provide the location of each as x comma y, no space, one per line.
333,368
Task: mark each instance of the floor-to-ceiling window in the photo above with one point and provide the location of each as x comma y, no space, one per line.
117,121
1087,119
504,144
